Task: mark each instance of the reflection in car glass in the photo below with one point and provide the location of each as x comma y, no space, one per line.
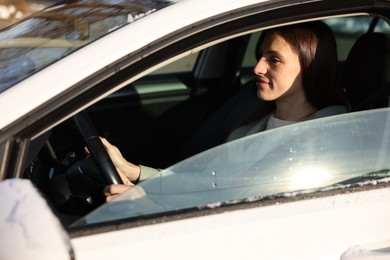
315,155
55,32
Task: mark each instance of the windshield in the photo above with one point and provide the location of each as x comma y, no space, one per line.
326,153
50,35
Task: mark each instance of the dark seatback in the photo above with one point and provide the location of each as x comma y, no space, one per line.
367,72
217,127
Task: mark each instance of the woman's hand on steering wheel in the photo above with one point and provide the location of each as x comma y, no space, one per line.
131,171
96,148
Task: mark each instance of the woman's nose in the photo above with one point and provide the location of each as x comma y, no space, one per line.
260,67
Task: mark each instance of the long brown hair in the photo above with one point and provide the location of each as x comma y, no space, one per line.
315,45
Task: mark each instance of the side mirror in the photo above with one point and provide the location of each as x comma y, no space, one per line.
29,229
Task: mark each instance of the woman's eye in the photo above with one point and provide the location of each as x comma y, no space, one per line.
274,59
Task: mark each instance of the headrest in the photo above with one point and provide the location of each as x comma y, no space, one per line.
368,72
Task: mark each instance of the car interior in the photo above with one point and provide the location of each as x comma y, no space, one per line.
368,58
176,112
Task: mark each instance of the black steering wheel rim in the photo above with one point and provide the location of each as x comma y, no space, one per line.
96,148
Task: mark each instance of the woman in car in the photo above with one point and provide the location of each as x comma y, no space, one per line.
297,78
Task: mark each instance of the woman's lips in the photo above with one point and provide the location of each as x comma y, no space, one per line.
262,83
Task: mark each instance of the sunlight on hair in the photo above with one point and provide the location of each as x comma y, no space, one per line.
310,177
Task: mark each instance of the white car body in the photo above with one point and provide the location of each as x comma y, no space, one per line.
320,228
346,225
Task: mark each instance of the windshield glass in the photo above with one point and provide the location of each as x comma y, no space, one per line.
319,154
50,35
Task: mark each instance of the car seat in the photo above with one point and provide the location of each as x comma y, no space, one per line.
367,72
217,127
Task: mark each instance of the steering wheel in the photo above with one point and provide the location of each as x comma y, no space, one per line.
96,148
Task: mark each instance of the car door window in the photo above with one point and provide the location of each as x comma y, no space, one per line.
347,30
185,64
314,156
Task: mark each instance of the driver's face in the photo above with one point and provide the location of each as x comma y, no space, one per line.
278,70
